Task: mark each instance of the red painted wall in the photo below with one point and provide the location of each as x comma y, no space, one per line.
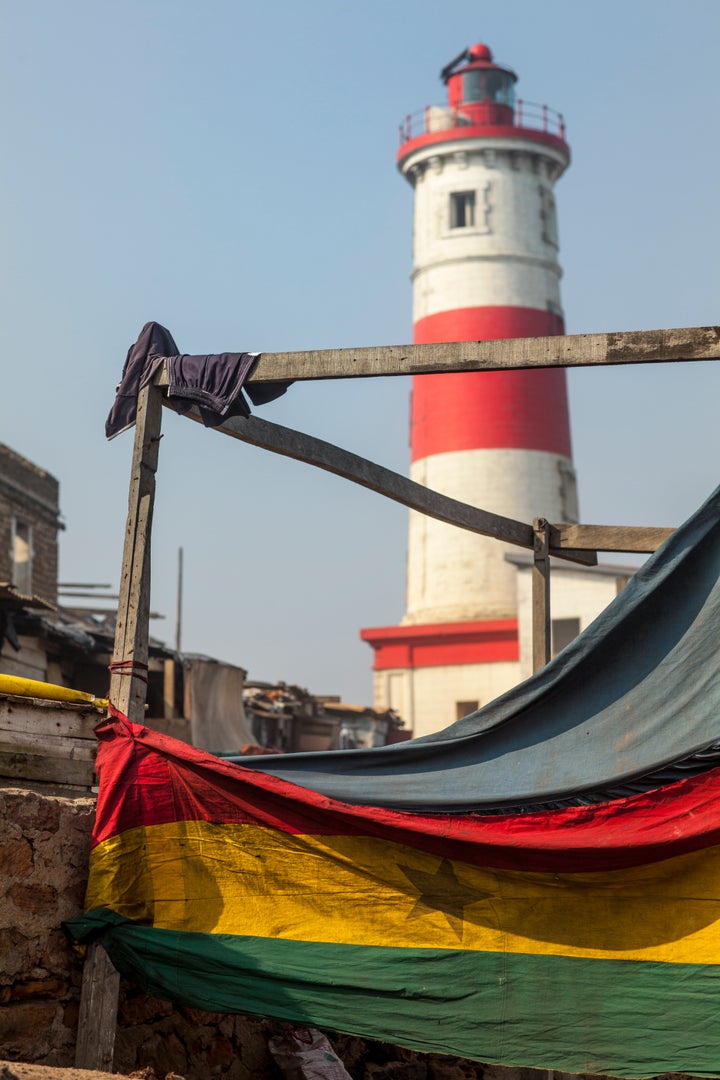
434,645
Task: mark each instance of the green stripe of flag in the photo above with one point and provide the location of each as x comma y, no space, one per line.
551,1012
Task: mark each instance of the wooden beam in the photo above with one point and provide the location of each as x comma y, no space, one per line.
98,1011
333,459
101,983
628,538
48,719
575,350
40,745
170,711
541,627
48,764
128,691
306,448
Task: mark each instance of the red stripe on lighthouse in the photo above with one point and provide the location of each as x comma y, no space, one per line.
487,324
524,410
484,641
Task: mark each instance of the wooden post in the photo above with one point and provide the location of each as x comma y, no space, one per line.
128,686
98,1011
169,708
541,594
178,620
128,689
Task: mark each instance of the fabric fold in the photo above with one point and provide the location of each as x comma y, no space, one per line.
212,382
636,693
231,890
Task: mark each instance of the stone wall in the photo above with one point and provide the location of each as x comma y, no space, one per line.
44,843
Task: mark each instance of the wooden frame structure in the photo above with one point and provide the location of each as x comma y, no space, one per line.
578,543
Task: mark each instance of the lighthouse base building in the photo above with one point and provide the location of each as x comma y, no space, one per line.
432,675
485,266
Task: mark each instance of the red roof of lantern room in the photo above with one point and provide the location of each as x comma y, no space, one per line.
483,112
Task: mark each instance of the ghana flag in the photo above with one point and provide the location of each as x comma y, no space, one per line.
584,939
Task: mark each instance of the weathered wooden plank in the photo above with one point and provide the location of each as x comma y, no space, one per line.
333,459
128,691
47,718
306,448
541,626
169,703
99,999
58,746
18,765
628,538
98,1011
684,344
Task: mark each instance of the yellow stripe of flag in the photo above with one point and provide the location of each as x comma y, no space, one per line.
255,881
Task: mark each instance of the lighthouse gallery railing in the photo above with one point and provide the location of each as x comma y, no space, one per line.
528,115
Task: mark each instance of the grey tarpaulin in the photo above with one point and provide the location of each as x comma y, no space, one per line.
637,692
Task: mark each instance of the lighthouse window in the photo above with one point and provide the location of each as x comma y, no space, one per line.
548,217
494,86
474,86
499,88
462,209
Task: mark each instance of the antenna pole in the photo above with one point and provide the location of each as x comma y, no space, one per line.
178,622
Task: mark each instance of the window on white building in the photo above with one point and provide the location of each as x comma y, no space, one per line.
462,209
21,555
464,708
563,632
396,693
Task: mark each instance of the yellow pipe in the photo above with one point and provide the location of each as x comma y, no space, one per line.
13,684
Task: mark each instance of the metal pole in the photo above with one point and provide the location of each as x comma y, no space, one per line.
541,594
178,621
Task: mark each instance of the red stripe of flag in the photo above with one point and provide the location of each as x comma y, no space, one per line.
163,780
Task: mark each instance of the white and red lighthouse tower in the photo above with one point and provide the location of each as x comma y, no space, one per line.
485,257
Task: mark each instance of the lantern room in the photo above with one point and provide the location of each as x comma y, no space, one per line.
481,90
481,103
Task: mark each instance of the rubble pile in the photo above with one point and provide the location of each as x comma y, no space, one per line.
289,719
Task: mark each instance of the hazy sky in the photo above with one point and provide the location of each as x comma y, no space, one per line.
228,169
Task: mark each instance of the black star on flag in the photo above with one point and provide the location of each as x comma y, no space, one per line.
442,892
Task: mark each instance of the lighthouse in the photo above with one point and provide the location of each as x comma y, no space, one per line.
483,168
